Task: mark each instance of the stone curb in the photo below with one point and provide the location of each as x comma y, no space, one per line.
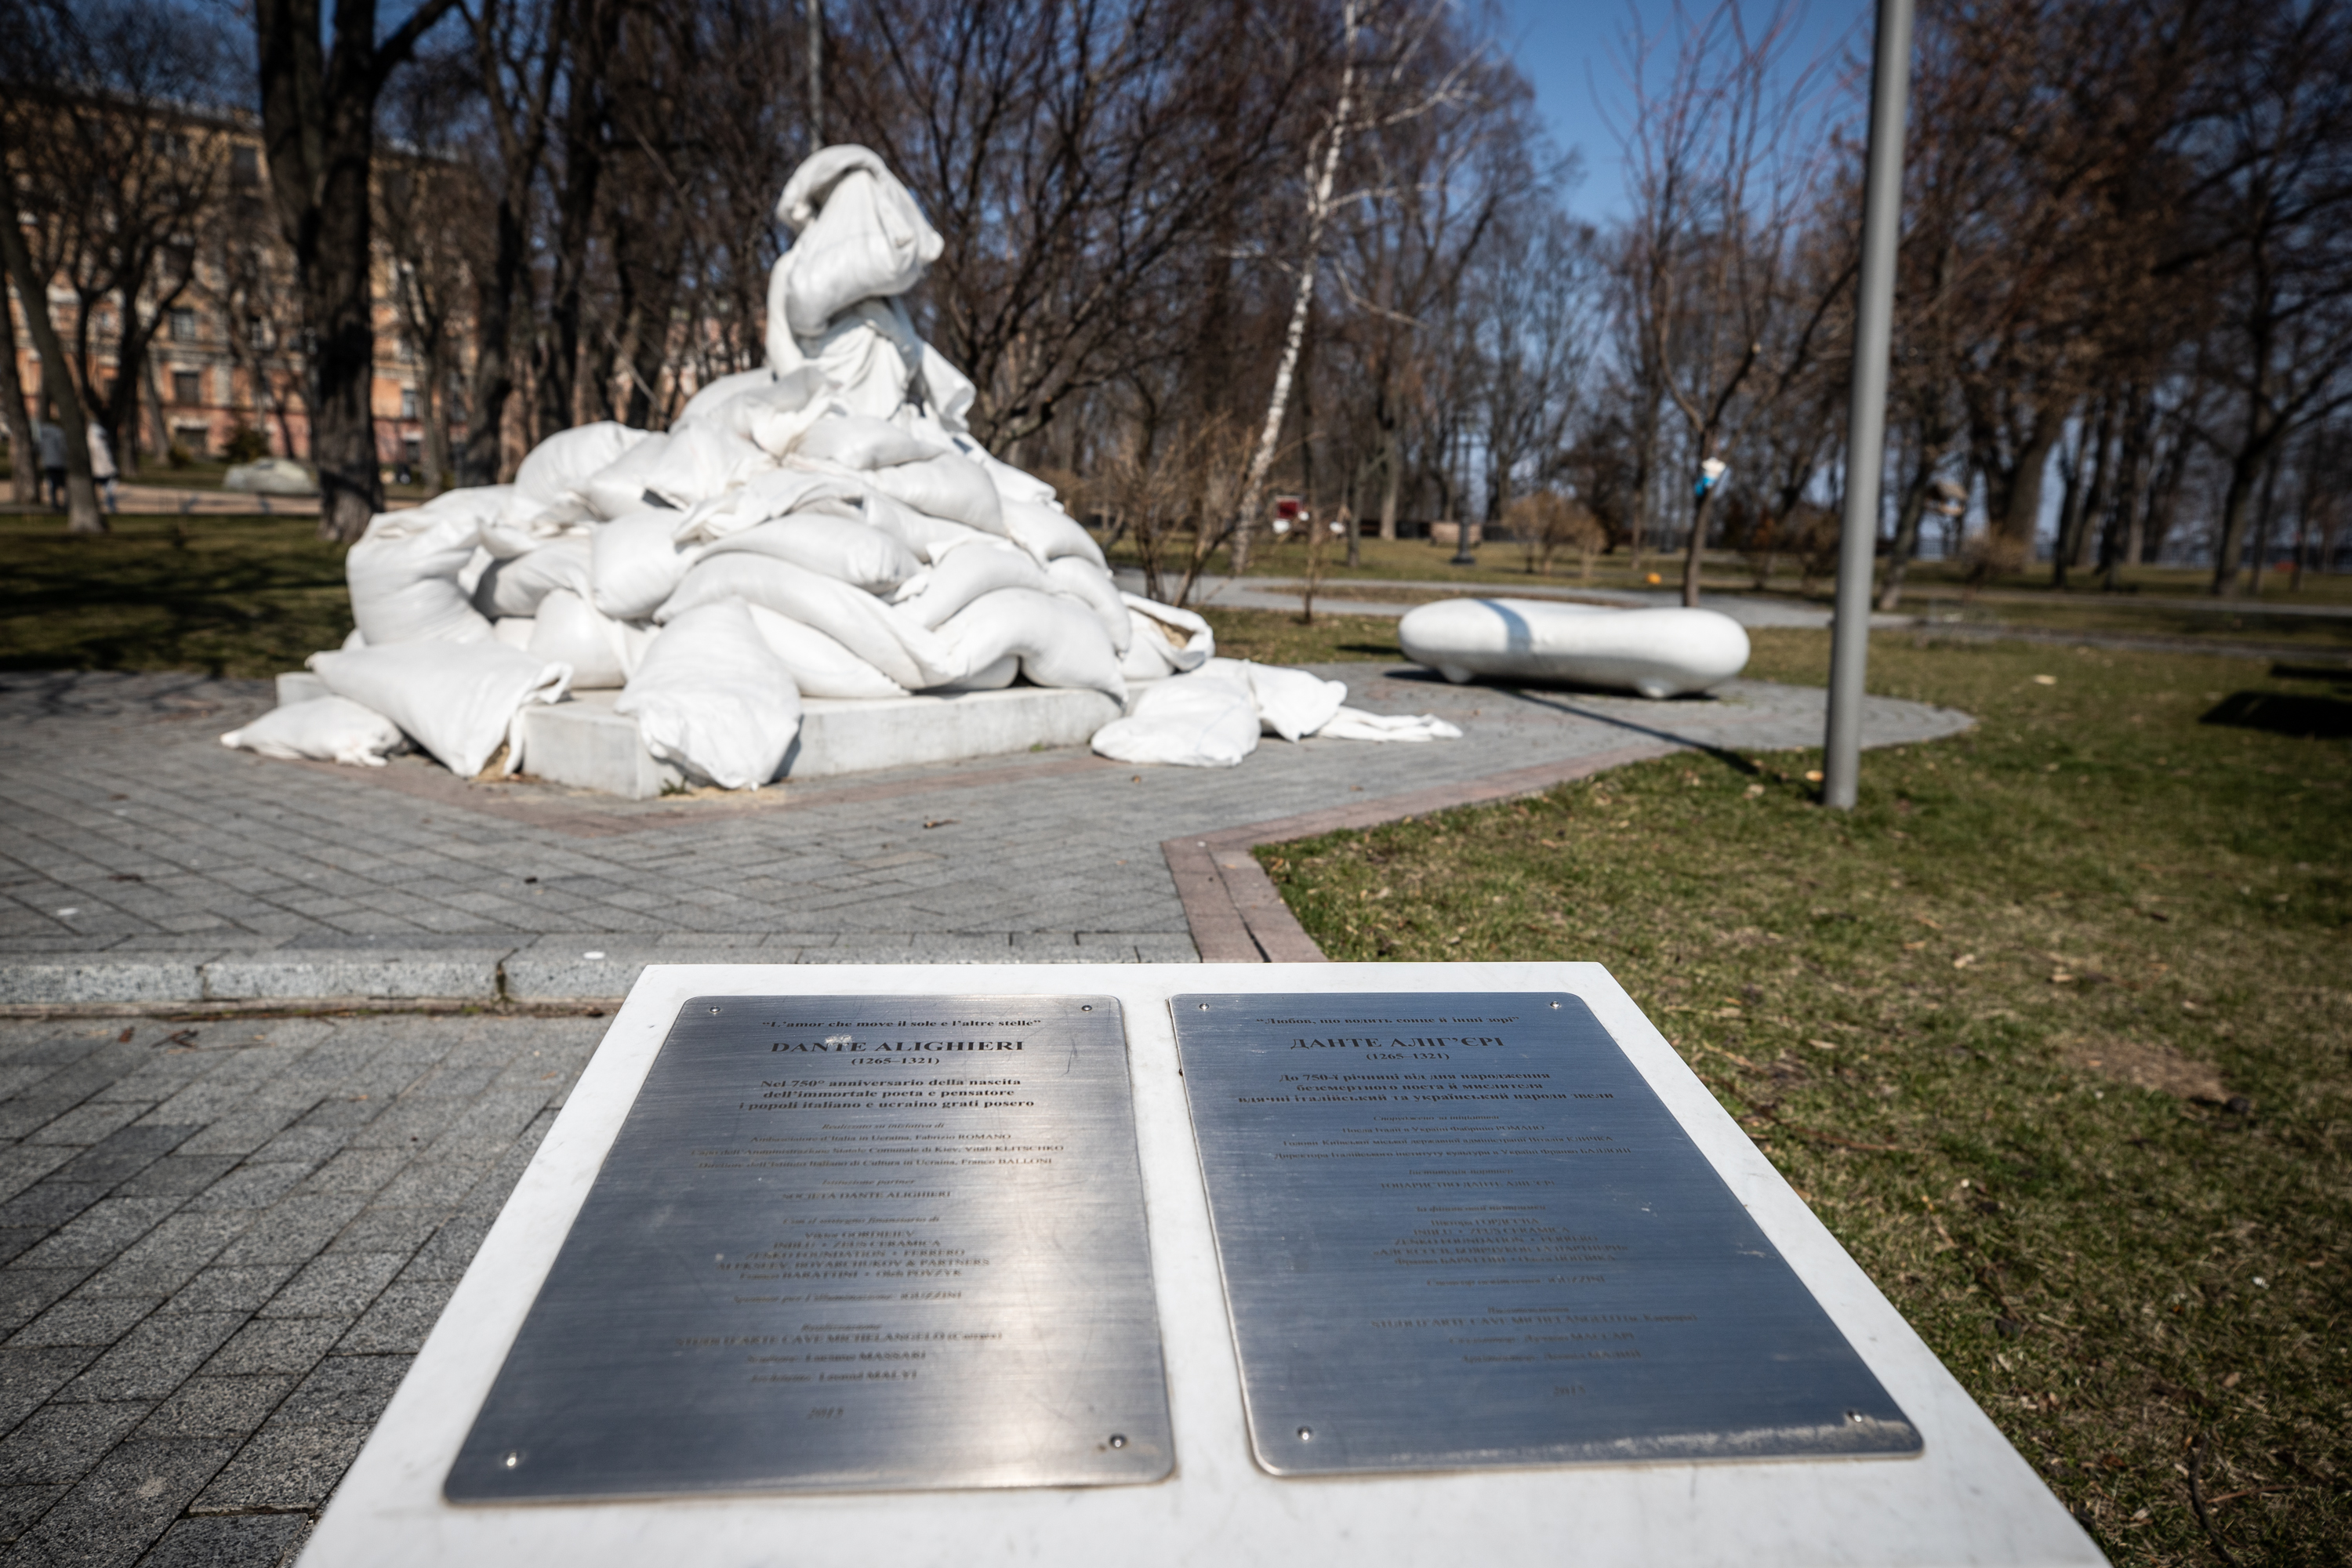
559,972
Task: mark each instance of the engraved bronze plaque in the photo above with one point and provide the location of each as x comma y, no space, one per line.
848,1243
1461,1230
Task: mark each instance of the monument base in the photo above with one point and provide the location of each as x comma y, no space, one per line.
582,743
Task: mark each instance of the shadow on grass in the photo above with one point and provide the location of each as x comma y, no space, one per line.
2284,714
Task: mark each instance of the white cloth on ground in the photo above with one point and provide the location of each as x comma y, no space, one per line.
1206,719
711,698
457,700
323,730
1355,724
1291,702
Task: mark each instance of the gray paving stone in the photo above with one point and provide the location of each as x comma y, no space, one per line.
64,1443
285,1466
20,1506
236,1541
100,1232
155,1357
291,1345
29,1378
399,1320
83,1320
219,1407
231,1289
128,1501
344,1388
339,1285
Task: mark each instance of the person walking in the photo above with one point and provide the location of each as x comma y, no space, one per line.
51,439
101,463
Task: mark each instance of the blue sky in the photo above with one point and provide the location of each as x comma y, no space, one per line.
1569,50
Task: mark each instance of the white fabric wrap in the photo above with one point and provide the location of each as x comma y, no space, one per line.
857,235
711,698
1168,640
457,700
1204,720
323,730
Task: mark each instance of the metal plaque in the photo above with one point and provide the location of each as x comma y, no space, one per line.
1461,1230
848,1243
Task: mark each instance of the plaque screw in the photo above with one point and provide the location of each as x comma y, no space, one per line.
1555,1006
1204,1007
714,1009
1119,1439
1307,1434
514,1457
1086,1006
1853,1416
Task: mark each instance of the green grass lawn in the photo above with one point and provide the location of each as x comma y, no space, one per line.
229,595
2051,1032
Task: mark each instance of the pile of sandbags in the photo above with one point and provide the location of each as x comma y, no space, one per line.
823,528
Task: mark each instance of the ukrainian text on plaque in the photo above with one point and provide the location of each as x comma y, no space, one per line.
848,1243
1461,1229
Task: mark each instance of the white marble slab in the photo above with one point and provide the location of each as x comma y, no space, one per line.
1968,1500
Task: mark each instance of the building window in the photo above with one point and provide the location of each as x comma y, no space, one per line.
196,438
256,332
408,402
244,166
186,388
183,323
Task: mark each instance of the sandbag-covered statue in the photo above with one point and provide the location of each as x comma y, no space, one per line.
824,527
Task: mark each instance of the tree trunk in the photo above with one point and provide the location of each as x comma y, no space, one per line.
2263,514
1907,518
1701,515
1392,479
486,412
1318,213
2021,518
82,515
318,117
2238,505
23,471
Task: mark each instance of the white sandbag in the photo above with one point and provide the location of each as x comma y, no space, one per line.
864,356
457,700
776,493
635,564
821,667
323,730
708,398
948,393
523,525
712,699
1091,585
949,485
1657,653
859,234
515,587
772,417
1291,702
897,646
930,538
1012,483
402,574
703,461
1355,724
1049,534
618,489
862,442
993,676
1180,639
1204,720
514,631
469,575
963,576
603,652
558,469
1059,641
847,551
353,639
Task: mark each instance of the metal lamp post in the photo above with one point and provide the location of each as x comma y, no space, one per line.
1882,214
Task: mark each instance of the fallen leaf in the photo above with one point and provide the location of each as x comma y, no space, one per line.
1813,775
1965,960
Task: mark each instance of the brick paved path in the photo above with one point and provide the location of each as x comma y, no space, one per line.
141,862
223,1244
